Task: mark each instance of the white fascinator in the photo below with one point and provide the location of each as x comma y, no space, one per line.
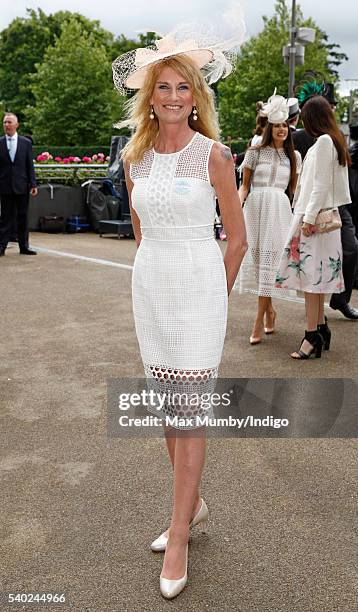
276,109
214,54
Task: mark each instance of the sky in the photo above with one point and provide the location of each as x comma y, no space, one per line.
338,19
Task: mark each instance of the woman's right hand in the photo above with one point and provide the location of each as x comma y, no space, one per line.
307,229
243,193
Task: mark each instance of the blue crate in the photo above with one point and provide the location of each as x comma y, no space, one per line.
77,224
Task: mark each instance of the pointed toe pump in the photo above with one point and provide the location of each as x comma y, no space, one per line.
201,518
256,335
172,588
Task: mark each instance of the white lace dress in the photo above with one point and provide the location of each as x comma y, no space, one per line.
268,217
179,281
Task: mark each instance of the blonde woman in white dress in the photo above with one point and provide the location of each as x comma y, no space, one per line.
268,171
174,169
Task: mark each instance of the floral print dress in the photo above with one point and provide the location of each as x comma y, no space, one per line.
312,264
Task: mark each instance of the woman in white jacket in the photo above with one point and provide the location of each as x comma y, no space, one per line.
311,261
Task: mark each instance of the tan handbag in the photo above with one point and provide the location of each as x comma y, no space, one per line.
327,220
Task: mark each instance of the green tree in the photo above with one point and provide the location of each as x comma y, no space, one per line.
347,108
122,44
75,102
260,69
23,44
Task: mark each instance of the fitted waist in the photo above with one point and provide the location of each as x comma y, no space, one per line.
268,188
178,234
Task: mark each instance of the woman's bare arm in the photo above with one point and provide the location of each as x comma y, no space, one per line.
134,216
222,175
245,187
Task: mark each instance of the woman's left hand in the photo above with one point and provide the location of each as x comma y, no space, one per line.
307,229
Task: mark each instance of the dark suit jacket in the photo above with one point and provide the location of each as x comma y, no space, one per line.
18,176
302,141
353,183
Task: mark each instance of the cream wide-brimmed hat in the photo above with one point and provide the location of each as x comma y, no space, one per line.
205,48
165,47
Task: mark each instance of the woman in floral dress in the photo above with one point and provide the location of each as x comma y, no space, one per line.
311,261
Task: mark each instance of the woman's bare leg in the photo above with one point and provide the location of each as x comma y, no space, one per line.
189,462
262,305
170,438
270,315
312,310
312,302
321,309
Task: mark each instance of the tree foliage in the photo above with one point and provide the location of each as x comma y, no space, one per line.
122,44
347,108
260,69
23,44
75,102
55,74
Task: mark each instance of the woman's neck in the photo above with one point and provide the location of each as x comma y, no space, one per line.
277,144
173,137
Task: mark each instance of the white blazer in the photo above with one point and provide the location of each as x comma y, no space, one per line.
323,183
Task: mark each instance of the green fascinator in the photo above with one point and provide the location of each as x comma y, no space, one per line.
309,90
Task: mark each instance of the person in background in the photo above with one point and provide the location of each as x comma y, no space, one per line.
294,114
17,181
353,174
312,262
340,301
261,122
269,169
303,141
353,184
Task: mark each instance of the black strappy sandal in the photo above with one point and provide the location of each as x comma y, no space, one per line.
325,332
316,341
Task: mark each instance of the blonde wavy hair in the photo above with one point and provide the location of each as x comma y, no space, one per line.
138,108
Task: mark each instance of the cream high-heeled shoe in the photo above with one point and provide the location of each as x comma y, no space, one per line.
270,330
201,516
256,339
172,588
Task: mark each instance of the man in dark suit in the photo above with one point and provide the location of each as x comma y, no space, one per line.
17,181
293,114
353,184
302,141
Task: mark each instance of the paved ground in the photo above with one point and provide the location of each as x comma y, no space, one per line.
78,509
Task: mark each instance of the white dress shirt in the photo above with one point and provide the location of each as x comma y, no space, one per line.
11,142
256,140
323,182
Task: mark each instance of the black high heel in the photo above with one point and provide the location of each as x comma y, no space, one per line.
316,341
326,334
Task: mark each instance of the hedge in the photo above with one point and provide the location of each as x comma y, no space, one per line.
71,151
237,146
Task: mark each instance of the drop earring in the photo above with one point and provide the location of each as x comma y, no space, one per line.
195,113
151,116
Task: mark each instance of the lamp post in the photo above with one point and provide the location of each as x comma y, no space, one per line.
294,52
292,49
